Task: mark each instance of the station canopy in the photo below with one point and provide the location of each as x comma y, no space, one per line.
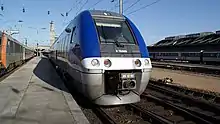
191,39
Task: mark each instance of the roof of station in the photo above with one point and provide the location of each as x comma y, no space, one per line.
202,38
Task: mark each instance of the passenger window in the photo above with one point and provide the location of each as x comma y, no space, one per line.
72,37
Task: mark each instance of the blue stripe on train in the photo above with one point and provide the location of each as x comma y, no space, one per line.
89,42
140,40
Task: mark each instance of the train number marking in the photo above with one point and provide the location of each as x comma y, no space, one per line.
121,51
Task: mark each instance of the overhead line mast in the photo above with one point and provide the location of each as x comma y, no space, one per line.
121,7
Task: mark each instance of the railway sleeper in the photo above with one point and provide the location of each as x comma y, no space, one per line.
209,96
195,110
148,115
188,98
178,110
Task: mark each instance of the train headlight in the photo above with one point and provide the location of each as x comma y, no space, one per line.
137,62
146,62
107,63
95,62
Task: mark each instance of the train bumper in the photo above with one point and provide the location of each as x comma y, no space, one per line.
93,86
117,100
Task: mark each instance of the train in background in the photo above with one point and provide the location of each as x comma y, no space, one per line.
106,57
193,57
12,53
194,48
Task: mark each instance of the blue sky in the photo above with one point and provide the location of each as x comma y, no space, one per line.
165,18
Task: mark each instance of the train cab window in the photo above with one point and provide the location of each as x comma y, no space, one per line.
114,31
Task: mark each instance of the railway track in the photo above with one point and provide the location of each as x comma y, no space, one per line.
172,113
197,108
205,96
120,115
148,111
129,114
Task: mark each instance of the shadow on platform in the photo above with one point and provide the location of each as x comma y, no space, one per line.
46,72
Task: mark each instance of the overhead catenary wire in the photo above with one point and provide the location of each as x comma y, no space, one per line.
143,7
82,7
117,4
74,6
132,5
124,2
99,1
80,1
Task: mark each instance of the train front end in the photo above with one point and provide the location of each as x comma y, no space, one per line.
116,60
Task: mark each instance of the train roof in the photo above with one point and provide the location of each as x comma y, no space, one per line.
11,38
105,14
99,14
14,40
190,39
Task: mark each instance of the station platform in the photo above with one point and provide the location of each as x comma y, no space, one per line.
35,94
188,65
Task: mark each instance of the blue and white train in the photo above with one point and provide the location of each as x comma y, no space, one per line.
106,56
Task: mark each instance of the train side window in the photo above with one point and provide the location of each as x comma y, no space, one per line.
8,46
11,47
72,39
64,46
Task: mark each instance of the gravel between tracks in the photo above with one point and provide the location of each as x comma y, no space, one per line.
93,119
197,106
169,114
124,116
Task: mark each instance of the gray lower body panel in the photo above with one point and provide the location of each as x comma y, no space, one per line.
93,86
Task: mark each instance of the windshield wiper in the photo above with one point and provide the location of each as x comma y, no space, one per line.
115,41
118,44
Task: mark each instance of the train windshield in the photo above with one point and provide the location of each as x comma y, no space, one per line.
110,31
